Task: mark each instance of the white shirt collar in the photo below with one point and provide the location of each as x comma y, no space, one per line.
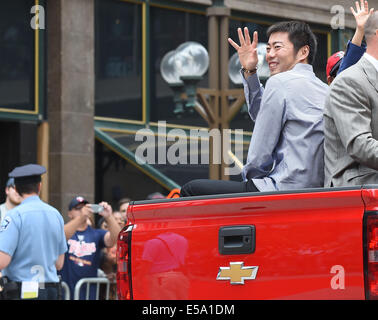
372,60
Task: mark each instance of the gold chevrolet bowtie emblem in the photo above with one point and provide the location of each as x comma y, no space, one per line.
237,273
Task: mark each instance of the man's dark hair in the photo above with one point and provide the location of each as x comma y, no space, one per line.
300,35
28,185
122,201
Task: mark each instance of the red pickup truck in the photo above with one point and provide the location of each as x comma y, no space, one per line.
301,244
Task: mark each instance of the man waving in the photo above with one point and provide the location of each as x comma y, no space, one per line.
286,149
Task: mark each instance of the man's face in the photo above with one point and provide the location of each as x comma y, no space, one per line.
13,195
119,218
330,79
123,210
280,53
76,211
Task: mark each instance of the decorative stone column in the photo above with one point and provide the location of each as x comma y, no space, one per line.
70,100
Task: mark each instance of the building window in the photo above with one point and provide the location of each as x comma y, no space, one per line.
17,54
118,60
169,29
321,56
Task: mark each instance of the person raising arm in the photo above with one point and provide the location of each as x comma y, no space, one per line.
355,48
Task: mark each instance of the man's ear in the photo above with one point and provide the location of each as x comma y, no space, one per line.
303,54
69,214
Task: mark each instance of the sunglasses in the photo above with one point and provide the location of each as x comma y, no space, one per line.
79,207
335,68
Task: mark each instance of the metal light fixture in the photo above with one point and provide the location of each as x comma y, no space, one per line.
262,66
234,67
169,73
191,62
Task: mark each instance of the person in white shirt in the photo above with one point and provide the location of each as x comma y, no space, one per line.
12,200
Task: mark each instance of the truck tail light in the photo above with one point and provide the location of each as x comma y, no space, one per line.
371,255
124,289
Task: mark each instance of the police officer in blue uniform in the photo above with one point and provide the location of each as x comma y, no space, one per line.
32,242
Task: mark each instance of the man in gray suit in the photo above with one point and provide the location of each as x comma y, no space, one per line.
351,119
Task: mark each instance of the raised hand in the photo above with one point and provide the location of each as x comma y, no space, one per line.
108,211
247,51
362,13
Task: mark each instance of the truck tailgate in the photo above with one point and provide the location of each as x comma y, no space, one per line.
307,245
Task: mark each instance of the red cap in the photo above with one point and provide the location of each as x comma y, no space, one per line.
333,60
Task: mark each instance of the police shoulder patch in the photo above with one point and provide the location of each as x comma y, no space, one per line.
5,223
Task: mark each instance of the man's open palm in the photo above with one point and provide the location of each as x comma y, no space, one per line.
247,51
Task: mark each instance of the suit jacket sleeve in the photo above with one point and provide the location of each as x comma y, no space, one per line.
352,113
352,55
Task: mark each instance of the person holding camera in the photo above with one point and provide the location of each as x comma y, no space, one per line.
85,243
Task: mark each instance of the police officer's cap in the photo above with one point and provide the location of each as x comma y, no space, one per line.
29,173
10,183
